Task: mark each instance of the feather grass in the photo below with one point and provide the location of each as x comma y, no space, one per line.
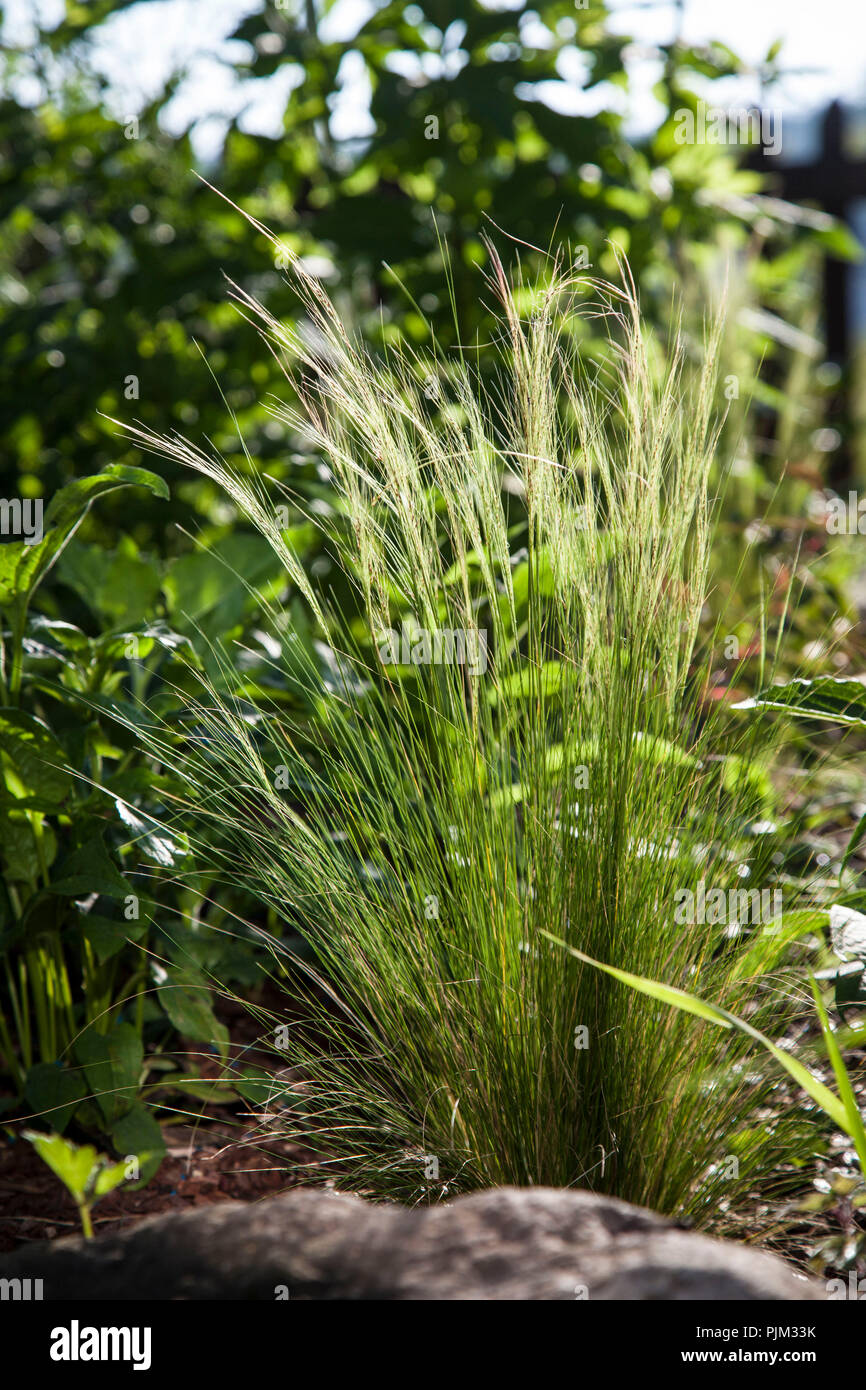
435,819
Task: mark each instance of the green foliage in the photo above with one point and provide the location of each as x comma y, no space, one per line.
842,1109
23,565
852,1123
838,1192
110,294
76,814
86,1174
110,248
837,699
840,699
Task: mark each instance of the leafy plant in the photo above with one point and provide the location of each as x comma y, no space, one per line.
86,1174
70,921
23,565
839,699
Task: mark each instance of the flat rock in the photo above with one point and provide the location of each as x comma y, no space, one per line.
507,1243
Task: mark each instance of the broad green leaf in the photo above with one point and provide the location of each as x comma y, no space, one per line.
529,682
188,1006
827,697
769,943
120,586
217,579
54,630
106,936
139,643
25,566
10,558
743,778
72,1163
108,1177
256,1087
90,870
150,837
204,1089
661,752
840,242
86,1173
53,1092
24,848
137,1133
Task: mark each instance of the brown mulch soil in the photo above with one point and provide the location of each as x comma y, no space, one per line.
215,1153
205,1163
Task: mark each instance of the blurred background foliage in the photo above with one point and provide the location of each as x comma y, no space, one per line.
112,253
114,258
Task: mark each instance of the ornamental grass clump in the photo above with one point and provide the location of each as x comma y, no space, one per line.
492,727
